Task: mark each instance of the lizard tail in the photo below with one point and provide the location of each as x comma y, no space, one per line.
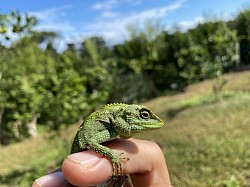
75,146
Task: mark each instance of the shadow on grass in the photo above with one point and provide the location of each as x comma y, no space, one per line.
171,113
198,102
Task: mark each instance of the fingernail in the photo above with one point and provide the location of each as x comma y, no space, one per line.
53,179
85,159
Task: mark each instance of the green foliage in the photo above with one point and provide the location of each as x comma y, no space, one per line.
210,48
241,24
40,85
99,68
65,97
232,182
16,23
19,98
147,60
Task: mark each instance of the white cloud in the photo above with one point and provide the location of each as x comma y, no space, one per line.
57,27
189,24
109,14
51,13
112,4
113,29
157,12
51,19
110,24
107,5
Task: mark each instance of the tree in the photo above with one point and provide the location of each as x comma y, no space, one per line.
242,25
99,68
13,87
64,92
167,76
211,47
141,52
24,70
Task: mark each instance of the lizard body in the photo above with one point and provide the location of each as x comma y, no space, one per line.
112,121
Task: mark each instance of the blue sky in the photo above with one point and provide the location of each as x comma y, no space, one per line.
77,19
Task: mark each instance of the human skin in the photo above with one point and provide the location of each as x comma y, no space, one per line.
146,166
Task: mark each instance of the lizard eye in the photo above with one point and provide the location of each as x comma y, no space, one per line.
144,114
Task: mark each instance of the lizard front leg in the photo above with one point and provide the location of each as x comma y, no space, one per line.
105,151
103,131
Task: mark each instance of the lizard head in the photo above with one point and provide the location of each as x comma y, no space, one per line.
139,118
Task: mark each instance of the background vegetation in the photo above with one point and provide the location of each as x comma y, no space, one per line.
205,139
42,90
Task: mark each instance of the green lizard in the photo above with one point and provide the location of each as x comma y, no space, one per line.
112,121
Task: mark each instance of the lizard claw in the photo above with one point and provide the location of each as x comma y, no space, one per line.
124,158
117,167
117,170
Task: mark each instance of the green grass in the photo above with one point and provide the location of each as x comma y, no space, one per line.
23,162
205,139
207,144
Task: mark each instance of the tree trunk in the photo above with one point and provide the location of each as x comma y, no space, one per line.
32,126
148,77
79,120
4,140
1,114
16,127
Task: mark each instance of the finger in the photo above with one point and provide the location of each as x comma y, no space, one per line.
55,179
161,185
146,165
86,168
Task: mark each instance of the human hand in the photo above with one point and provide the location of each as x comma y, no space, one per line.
146,166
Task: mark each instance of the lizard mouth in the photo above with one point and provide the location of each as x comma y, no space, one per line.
152,124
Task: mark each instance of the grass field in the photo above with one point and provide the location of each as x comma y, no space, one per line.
205,140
